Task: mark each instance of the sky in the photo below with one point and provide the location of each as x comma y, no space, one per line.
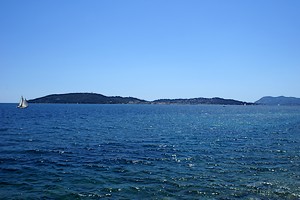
150,49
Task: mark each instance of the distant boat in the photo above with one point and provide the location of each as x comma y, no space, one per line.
23,103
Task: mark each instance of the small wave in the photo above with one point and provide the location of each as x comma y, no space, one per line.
3,129
92,195
34,151
10,169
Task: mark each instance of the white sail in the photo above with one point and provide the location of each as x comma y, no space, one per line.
23,103
20,104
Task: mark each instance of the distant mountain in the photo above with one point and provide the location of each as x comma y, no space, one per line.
195,101
281,100
86,98
93,98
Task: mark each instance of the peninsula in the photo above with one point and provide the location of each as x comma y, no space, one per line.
93,98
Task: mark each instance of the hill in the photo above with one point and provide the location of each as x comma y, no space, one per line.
281,100
93,98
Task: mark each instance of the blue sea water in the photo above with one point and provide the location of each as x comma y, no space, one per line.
149,152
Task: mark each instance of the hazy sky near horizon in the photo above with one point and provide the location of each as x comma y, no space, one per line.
150,49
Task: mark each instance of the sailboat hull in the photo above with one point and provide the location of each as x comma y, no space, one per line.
22,107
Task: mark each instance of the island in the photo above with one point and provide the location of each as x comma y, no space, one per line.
86,98
201,100
93,98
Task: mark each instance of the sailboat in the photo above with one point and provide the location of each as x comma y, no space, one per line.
23,103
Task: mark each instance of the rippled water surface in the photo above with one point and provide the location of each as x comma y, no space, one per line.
149,152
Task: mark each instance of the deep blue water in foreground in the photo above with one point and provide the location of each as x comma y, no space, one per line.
149,152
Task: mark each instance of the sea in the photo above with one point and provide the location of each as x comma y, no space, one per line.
69,151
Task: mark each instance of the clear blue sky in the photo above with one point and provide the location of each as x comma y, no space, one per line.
239,49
